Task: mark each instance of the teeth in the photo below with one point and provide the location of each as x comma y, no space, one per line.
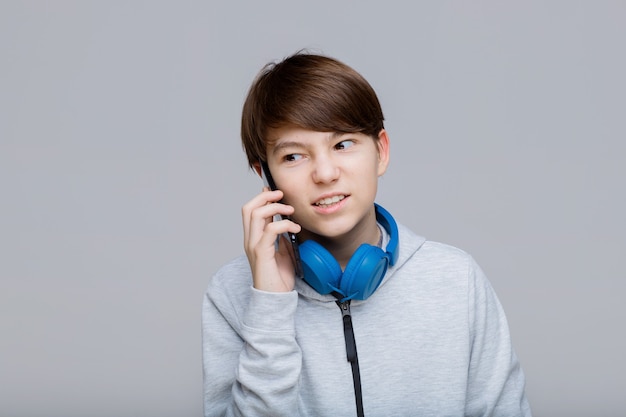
330,200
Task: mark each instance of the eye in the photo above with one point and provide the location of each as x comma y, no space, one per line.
292,157
344,144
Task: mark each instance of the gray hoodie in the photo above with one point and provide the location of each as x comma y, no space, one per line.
432,341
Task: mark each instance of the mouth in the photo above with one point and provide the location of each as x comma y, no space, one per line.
329,201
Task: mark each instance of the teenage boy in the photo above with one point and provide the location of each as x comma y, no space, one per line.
382,322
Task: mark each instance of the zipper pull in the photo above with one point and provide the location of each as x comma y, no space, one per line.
345,307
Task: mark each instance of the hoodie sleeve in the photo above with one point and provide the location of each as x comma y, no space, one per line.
251,360
495,379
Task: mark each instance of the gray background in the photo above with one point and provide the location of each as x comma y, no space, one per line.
122,178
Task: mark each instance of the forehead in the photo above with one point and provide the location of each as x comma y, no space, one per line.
291,131
295,136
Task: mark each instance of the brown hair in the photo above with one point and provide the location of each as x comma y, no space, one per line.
311,92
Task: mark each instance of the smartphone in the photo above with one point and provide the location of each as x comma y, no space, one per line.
269,181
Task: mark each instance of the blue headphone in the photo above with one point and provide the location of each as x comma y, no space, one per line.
365,269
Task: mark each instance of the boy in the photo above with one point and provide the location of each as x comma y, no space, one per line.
382,322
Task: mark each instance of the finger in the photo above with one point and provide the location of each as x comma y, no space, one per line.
269,211
262,216
271,231
261,199
265,246
258,201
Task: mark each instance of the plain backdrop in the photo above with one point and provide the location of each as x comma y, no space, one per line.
122,178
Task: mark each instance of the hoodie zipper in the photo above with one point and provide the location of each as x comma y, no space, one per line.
348,332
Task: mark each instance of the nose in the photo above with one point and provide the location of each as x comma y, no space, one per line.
325,170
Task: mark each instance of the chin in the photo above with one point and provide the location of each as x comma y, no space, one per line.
330,231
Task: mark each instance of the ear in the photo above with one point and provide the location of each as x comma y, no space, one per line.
383,151
257,167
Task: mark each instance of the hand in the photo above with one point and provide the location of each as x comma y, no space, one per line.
272,270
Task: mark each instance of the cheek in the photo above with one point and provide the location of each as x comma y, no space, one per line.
368,169
291,187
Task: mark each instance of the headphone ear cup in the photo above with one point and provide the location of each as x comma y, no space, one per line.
364,271
321,269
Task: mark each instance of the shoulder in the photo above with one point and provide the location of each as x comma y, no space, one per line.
238,266
233,278
432,264
415,248
437,252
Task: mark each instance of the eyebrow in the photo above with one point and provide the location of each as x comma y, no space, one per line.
286,144
299,145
